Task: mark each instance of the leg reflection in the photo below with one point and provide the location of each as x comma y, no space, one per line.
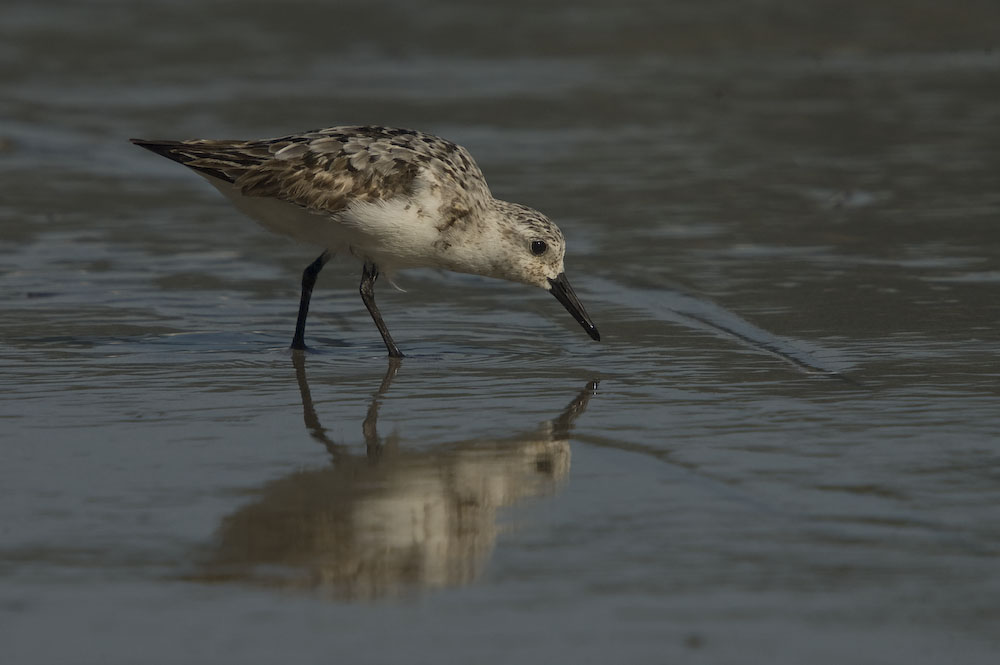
373,444
372,441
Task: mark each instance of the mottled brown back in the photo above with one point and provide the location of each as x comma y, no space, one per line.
327,169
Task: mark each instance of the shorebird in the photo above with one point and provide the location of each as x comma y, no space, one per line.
393,198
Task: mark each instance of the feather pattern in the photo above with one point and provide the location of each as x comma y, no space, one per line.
328,169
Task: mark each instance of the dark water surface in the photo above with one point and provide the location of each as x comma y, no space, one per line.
783,219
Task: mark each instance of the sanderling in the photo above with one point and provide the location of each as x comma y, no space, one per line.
393,198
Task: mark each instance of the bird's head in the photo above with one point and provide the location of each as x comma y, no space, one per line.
531,250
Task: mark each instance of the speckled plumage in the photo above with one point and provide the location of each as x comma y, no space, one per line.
395,198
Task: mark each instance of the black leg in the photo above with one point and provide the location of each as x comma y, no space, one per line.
368,276
308,282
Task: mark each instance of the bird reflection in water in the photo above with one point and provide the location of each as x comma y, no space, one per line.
391,521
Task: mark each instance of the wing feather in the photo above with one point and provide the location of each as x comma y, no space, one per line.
328,169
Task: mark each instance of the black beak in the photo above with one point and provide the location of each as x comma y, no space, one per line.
564,294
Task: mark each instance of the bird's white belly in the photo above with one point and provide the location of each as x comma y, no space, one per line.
288,219
397,233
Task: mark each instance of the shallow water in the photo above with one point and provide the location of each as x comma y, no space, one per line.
784,225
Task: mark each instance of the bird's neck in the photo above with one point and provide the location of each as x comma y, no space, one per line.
472,243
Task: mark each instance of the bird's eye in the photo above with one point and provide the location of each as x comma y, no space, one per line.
538,247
